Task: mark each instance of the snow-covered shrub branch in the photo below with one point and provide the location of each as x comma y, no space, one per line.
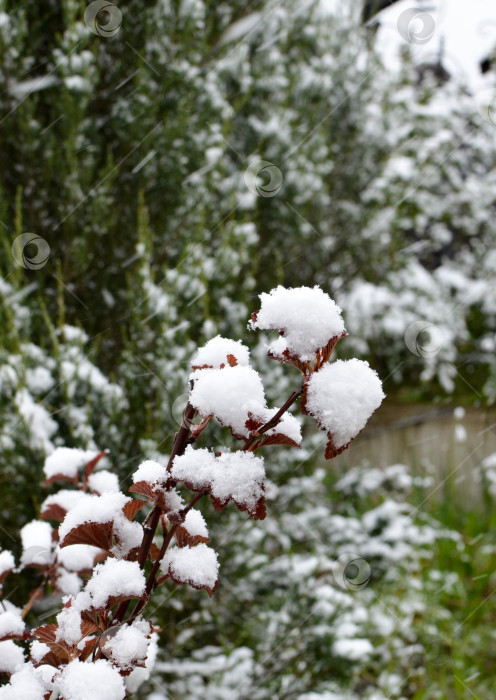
107,563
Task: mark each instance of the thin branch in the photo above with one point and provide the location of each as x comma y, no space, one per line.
153,518
151,583
274,420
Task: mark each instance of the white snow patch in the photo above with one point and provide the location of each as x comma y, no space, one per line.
195,524
7,561
236,475
103,481
67,461
36,539
150,471
115,578
69,622
11,656
25,684
342,396
97,680
229,394
307,318
195,565
214,353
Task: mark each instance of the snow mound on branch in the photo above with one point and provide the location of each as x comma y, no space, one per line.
67,461
104,509
128,645
11,623
229,394
7,562
36,539
38,650
141,674
342,396
65,498
112,579
78,557
307,318
215,353
97,680
25,684
288,425
11,656
103,481
68,583
197,566
195,524
234,475
69,625
150,471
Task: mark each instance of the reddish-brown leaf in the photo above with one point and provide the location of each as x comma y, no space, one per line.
88,627
231,360
198,429
258,512
89,467
49,659
132,507
46,633
184,538
154,552
90,616
61,477
144,488
277,439
87,650
96,534
331,449
53,512
180,582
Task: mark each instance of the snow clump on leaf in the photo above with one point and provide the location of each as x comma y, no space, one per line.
306,317
219,352
197,566
114,579
65,461
97,680
233,475
230,394
342,396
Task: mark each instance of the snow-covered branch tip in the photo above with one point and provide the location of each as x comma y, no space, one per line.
90,546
